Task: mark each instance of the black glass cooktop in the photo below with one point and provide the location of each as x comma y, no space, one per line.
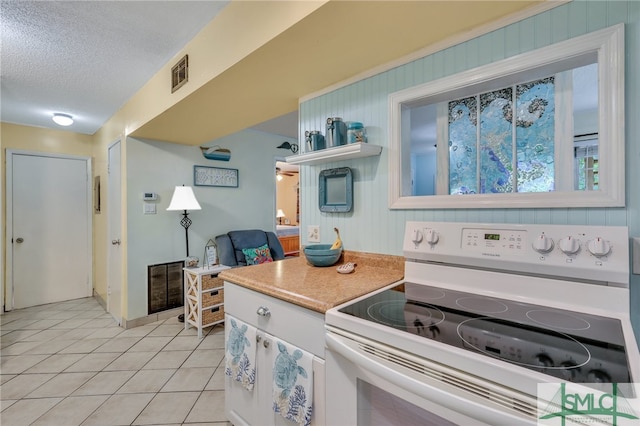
572,346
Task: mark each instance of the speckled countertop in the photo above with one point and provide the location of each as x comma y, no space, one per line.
319,289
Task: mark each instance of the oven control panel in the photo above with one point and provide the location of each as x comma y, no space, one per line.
494,241
598,253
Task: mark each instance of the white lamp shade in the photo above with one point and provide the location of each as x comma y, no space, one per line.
280,213
183,199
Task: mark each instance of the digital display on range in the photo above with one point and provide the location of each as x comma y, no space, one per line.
495,237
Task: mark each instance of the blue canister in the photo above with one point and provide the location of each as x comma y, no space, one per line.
315,140
336,132
356,132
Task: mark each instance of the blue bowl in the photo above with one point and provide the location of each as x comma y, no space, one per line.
322,254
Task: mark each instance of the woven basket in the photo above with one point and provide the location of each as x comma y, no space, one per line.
213,297
212,315
211,281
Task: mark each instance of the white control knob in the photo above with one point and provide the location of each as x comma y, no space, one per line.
416,236
432,236
599,247
543,244
569,245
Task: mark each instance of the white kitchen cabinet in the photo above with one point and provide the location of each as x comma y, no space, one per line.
272,317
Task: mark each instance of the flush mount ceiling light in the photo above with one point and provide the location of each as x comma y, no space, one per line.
62,119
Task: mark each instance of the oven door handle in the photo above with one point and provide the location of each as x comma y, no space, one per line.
450,401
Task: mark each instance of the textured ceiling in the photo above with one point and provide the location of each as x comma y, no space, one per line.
87,58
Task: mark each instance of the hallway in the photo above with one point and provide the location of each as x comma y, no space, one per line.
69,364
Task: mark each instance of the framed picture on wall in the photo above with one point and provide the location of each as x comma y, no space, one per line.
215,176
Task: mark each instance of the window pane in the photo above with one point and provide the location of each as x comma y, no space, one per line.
424,140
535,124
463,122
496,141
586,159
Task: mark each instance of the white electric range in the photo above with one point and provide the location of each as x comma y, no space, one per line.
485,313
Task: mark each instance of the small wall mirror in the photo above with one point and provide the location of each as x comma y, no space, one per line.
335,193
541,129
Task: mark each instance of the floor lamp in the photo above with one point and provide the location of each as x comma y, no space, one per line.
184,199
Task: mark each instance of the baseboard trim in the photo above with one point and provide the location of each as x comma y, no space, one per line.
100,300
158,316
137,322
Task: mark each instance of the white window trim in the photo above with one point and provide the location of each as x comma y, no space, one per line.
608,44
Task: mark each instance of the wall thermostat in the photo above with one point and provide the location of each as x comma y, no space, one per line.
149,196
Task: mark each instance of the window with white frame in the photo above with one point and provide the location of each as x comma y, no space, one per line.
534,124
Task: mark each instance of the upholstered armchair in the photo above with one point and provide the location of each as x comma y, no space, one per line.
231,245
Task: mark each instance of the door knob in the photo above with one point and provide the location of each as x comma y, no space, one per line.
19,240
115,242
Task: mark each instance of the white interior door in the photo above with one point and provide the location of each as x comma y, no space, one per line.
49,254
114,268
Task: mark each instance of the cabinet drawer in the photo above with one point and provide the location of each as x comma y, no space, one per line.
212,297
297,325
210,315
211,281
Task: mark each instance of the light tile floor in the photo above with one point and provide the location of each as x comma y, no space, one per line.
69,364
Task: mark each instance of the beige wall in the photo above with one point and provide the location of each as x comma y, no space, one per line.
14,136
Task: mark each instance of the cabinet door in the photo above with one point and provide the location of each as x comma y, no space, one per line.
256,407
242,406
278,357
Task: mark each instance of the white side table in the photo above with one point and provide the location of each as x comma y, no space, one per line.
203,297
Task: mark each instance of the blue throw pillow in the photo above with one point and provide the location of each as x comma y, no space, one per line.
256,256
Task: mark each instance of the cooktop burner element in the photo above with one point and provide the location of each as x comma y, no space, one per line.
579,357
386,313
560,320
392,313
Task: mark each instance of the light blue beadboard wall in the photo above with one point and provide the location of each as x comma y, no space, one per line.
372,227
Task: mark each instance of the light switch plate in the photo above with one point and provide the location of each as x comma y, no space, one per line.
149,208
636,256
313,233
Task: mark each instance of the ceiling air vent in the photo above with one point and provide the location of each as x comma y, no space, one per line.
180,73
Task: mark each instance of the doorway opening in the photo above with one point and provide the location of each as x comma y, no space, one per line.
288,207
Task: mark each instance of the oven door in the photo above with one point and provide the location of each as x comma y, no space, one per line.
368,383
